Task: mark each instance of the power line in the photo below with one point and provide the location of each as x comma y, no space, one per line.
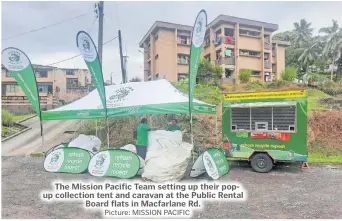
44,27
80,54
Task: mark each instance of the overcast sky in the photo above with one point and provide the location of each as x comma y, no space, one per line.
134,19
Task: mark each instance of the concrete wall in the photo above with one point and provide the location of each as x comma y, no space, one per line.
280,60
165,48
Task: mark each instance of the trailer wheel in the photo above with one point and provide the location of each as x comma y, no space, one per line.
261,163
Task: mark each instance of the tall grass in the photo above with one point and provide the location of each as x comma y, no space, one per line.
7,118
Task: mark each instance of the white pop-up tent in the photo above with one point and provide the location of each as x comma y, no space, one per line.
135,98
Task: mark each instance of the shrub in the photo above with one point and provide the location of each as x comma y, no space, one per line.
277,84
245,74
255,85
289,74
7,118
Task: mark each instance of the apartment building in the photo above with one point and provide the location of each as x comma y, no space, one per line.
234,43
55,85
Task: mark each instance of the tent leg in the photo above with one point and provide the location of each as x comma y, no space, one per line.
42,140
96,128
107,132
216,128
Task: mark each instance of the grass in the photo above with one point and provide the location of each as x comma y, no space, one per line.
21,117
322,158
313,99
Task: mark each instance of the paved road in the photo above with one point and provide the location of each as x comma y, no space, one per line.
30,140
283,193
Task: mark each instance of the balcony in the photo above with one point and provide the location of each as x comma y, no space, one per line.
225,40
226,61
148,73
267,65
267,45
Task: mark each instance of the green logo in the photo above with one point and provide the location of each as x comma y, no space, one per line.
14,57
120,94
86,45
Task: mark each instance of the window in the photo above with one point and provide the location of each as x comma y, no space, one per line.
263,118
255,73
41,74
182,76
156,36
207,40
71,82
228,73
249,33
228,32
156,76
12,88
250,53
185,40
7,73
45,88
156,57
183,59
69,72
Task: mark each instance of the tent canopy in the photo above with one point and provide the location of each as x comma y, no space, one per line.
134,98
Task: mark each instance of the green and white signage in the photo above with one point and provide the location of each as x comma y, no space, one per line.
19,67
67,160
88,50
198,34
215,163
114,163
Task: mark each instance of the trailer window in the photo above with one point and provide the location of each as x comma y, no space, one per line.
284,118
240,119
261,115
273,118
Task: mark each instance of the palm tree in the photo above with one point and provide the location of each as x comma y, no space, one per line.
333,46
309,53
302,32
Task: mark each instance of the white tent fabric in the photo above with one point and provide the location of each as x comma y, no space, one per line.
134,98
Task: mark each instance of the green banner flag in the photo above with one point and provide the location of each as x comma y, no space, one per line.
20,68
198,34
88,50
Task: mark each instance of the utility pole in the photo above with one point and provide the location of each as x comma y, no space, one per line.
123,70
125,58
100,36
111,78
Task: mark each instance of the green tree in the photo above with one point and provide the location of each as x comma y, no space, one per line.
245,75
309,53
333,46
289,74
302,32
283,36
208,72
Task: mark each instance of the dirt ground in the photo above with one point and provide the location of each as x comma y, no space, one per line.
286,192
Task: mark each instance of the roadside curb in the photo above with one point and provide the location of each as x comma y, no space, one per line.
28,118
16,134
